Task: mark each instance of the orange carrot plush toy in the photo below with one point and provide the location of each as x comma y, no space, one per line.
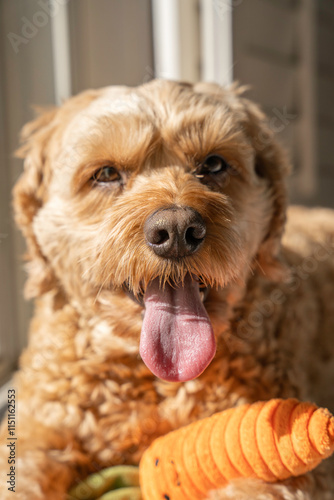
270,440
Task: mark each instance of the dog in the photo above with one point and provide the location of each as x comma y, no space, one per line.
170,281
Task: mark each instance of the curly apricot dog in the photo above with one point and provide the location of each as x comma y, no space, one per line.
154,219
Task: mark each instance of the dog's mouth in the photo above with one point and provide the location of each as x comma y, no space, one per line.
139,297
177,341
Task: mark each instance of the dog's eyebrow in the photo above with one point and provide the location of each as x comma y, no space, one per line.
126,147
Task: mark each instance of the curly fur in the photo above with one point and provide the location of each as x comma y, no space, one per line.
86,399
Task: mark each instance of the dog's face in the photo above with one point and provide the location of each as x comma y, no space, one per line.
160,193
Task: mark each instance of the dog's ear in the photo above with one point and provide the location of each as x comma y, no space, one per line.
30,192
272,165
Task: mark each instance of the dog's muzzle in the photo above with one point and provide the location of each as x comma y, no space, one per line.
175,232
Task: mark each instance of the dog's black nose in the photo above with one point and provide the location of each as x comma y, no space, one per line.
175,231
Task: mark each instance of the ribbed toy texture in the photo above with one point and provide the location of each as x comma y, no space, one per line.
270,440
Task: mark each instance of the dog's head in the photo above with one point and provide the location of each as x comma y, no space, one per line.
160,192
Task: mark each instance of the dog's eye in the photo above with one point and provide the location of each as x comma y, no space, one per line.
213,164
106,174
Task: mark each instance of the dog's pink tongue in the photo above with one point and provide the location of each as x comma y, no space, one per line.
177,341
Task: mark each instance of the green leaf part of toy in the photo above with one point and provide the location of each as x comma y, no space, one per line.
114,483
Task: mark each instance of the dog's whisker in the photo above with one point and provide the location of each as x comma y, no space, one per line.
251,221
100,290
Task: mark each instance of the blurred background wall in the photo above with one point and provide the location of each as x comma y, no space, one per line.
50,49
